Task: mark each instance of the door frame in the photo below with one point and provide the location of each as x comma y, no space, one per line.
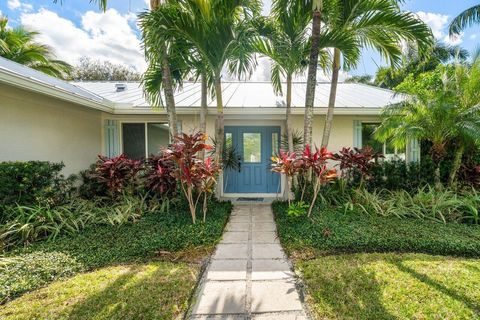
253,123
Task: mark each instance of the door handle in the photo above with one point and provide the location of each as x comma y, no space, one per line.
239,166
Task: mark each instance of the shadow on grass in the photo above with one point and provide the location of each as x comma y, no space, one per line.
134,295
469,303
385,286
350,294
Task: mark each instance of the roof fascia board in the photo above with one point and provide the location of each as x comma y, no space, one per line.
38,87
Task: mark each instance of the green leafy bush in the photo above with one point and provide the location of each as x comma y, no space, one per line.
426,203
298,209
101,245
33,181
334,230
25,272
27,224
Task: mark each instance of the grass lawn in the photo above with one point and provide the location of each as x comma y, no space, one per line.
155,290
392,286
157,236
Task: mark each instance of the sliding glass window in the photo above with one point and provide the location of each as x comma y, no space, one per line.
139,140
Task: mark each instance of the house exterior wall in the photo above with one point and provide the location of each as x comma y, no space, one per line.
37,127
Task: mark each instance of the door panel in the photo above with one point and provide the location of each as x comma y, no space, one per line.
254,147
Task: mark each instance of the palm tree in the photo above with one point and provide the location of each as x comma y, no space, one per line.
465,19
317,6
285,41
18,44
416,62
376,24
442,106
102,4
220,33
161,73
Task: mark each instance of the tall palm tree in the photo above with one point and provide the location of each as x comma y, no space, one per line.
465,19
285,41
442,106
317,6
160,76
220,32
377,24
18,44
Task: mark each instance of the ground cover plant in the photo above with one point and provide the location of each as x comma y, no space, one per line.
392,286
335,230
154,235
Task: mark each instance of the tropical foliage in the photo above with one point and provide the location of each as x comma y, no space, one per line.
465,19
18,44
380,25
441,106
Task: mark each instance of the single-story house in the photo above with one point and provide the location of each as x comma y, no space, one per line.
44,118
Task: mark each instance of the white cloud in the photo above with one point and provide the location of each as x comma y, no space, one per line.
104,36
16,4
439,25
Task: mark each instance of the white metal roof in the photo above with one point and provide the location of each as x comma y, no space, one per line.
351,98
13,68
250,95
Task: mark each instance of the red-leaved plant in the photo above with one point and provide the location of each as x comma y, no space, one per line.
316,164
286,163
357,160
159,177
118,174
196,176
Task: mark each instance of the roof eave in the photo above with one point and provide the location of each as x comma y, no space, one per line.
49,90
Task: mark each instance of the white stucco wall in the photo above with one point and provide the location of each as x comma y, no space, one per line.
37,127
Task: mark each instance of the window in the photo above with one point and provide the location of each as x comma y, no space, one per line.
252,146
133,138
140,140
368,139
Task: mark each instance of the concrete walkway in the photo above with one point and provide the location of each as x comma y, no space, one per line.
249,276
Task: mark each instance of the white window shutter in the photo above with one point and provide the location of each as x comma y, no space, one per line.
112,148
357,134
413,150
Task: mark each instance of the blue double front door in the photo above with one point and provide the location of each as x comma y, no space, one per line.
250,149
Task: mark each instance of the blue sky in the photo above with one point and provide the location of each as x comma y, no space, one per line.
76,28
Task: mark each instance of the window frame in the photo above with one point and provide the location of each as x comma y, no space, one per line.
145,132
384,145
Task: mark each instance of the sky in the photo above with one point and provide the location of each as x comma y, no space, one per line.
76,28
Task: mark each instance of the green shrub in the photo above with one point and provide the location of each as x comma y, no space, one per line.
30,182
334,230
29,271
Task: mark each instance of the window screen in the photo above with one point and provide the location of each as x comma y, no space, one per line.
133,138
158,137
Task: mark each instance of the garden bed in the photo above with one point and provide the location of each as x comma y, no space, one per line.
332,230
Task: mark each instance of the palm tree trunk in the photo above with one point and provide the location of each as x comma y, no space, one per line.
168,91
457,161
219,136
331,101
288,121
203,110
312,72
